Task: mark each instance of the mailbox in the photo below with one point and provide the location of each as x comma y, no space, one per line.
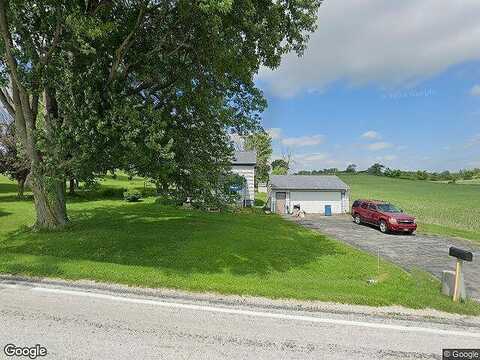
460,254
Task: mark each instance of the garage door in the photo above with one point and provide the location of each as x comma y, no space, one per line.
315,201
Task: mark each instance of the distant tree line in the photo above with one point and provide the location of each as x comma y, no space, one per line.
331,171
378,169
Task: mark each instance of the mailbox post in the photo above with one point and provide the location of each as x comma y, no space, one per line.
461,255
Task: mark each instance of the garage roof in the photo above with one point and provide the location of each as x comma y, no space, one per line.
244,158
307,182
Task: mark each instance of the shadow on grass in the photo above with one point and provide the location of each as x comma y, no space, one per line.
35,266
104,193
170,239
4,213
16,198
6,188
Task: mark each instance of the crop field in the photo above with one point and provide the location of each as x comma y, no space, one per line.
449,209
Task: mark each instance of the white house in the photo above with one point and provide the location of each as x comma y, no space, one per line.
313,194
243,164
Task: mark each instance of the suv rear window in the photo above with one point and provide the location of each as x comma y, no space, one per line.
363,206
356,203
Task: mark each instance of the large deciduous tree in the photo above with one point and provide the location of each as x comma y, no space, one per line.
261,142
89,82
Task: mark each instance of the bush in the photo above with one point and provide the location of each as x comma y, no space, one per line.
132,196
259,203
113,193
146,192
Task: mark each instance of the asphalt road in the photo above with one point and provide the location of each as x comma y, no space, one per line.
426,252
79,324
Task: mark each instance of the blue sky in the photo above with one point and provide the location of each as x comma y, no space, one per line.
402,89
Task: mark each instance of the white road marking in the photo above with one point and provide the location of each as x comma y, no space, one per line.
262,314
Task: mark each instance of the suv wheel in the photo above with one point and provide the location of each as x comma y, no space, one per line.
357,219
383,227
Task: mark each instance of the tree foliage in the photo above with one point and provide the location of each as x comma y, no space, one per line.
376,169
280,167
352,168
123,81
261,143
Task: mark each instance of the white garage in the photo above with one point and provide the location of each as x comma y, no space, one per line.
313,194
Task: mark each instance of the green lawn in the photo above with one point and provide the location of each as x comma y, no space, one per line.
150,245
446,209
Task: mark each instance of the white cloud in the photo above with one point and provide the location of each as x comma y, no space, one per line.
382,42
386,158
275,133
474,141
303,140
475,90
379,146
316,161
371,135
311,157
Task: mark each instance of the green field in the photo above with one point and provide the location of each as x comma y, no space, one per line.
151,245
449,209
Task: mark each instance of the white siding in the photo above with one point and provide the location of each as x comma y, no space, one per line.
248,172
346,201
315,201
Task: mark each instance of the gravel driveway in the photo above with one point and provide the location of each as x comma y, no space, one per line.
409,251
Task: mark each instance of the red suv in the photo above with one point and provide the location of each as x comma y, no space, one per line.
384,215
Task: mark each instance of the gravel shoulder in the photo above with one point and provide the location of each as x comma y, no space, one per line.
216,299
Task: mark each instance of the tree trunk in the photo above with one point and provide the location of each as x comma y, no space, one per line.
48,191
49,195
71,187
21,187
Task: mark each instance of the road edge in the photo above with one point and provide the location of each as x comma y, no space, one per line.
211,298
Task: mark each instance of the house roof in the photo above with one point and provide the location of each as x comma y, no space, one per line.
244,158
307,182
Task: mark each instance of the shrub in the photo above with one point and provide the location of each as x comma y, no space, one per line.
259,203
132,196
113,193
146,192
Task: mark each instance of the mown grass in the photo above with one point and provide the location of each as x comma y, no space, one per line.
150,245
445,209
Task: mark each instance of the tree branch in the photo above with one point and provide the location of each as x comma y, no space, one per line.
7,103
7,39
56,39
126,44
